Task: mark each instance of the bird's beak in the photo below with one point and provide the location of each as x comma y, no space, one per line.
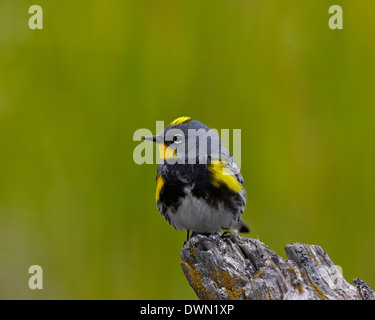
156,139
151,138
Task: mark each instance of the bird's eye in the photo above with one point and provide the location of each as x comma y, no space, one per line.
177,138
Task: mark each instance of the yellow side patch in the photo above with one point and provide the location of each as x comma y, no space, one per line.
221,176
166,152
159,186
180,120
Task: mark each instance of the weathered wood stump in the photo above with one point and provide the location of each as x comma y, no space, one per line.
246,269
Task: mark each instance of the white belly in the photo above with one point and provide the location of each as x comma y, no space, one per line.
196,215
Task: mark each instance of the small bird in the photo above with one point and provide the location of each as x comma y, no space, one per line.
199,187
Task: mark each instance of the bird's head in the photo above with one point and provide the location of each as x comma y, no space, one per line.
186,139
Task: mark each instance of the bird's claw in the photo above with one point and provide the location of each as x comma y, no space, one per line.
226,234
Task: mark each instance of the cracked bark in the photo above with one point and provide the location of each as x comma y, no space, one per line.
246,269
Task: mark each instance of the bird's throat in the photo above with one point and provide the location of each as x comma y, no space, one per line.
166,152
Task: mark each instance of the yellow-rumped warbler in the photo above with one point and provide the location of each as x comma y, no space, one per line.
198,185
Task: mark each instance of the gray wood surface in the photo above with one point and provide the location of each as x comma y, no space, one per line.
245,268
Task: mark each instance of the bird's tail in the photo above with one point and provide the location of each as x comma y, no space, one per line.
240,226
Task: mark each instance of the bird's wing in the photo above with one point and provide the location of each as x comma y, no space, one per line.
230,164
225,173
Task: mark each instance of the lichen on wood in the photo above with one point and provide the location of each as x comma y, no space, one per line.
236,268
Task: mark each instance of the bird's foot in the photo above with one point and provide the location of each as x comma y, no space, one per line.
226,235
187,237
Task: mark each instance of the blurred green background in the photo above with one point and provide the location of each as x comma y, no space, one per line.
72,95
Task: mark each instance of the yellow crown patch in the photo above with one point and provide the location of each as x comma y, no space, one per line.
180,120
